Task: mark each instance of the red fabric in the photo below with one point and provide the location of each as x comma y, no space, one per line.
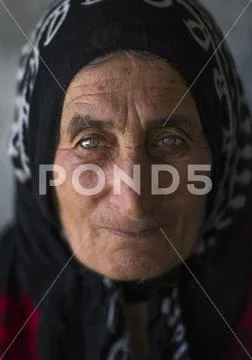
14,314
233,349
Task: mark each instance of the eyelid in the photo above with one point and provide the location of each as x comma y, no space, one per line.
166,130
184,133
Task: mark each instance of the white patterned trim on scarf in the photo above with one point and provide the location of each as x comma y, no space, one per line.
26,77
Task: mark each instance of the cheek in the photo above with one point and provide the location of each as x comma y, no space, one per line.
74,206
186,209
174,178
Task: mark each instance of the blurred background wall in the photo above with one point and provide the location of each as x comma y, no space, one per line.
27,12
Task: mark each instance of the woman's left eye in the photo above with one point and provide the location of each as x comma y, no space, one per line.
170,140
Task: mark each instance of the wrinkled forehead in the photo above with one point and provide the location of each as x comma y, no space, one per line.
121,79
120,69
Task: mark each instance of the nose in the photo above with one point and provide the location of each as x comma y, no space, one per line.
132,186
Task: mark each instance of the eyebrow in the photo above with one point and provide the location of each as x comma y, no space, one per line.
80,122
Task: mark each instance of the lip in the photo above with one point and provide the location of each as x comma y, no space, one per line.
132,234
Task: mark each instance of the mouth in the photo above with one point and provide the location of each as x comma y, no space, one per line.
133,234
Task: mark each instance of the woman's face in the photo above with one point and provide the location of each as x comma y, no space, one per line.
126,103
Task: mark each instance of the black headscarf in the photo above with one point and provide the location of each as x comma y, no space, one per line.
79,313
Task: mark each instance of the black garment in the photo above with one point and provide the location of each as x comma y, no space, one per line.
81,316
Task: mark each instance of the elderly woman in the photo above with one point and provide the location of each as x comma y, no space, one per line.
132,154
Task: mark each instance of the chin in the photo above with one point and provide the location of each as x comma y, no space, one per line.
133,268
131,260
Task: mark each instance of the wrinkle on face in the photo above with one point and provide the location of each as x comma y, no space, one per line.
121,92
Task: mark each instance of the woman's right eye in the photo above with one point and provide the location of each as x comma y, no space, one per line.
90,143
